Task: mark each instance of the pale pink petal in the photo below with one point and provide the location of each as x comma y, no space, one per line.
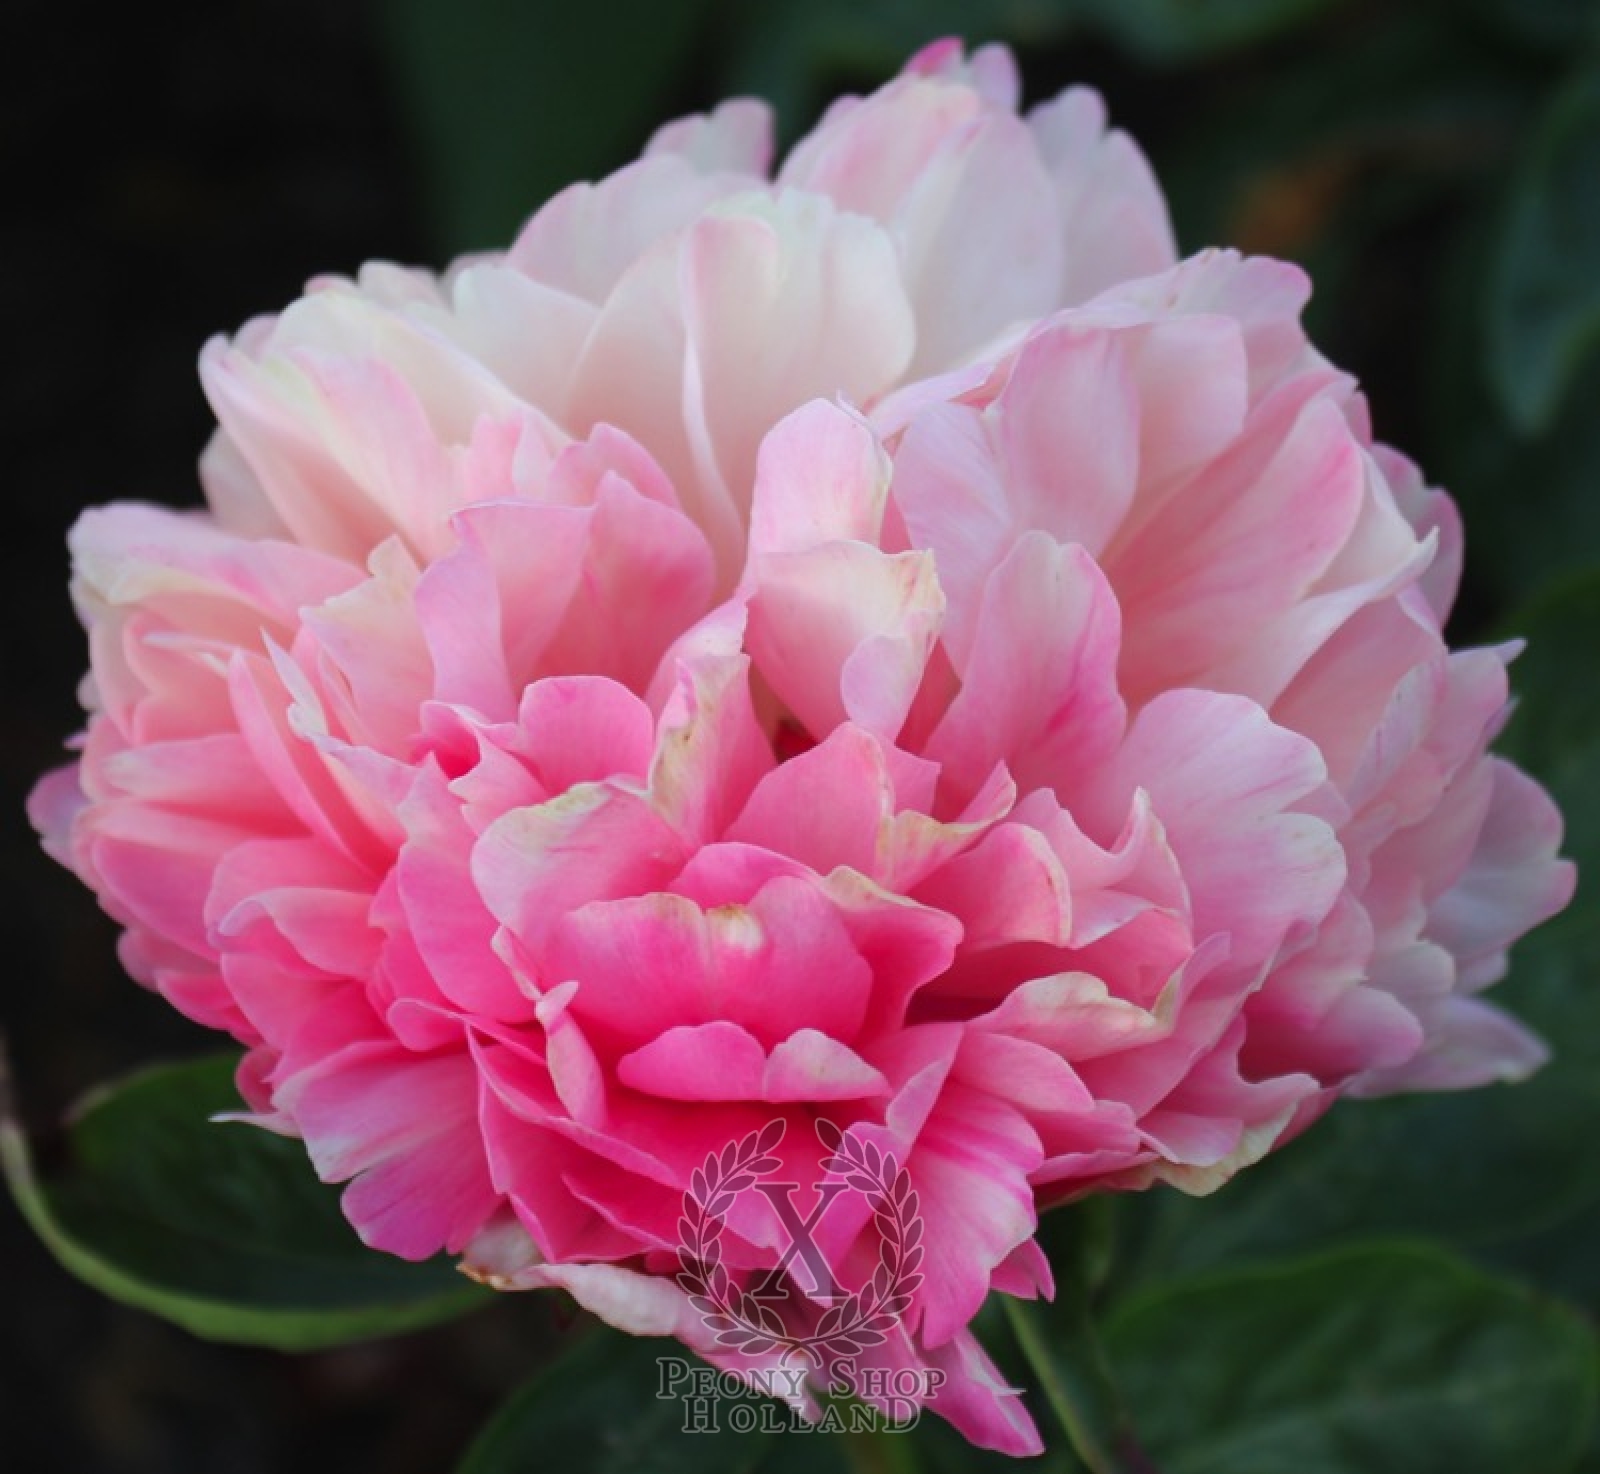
631,373
1072,1014
793,270
372,638
809,1065
352,438
849,829
496,312
831,658
233,494
1116,218
485,625
1470,1043
959,184
1215,567
1428,511
950,491
646,576
583,729
54,804
1513,880
736,136
1237,807
1067,428
991,70
1318,1013
583,241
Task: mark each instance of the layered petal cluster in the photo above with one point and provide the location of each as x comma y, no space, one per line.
883,643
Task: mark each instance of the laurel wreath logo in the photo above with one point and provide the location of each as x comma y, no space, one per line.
744,1321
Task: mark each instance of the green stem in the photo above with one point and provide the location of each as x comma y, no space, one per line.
1065,1354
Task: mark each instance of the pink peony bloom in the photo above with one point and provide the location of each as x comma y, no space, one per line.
885,644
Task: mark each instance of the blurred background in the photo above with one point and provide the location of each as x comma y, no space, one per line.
169,173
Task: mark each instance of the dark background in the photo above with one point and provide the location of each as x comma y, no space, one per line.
168,174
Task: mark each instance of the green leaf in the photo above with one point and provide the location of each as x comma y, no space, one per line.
221,1227
510,102
618,1404
1544,291
1389,1360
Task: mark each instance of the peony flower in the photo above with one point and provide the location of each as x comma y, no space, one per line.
885,645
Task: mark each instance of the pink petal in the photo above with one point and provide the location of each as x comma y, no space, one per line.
1040,693
583,729
1072,1014
721,1061
440,910
1200,580
976,1400
710,752
405,1129
822,477
781,963
594,842
970,1166
849,829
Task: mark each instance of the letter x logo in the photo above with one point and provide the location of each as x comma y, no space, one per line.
802,1245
